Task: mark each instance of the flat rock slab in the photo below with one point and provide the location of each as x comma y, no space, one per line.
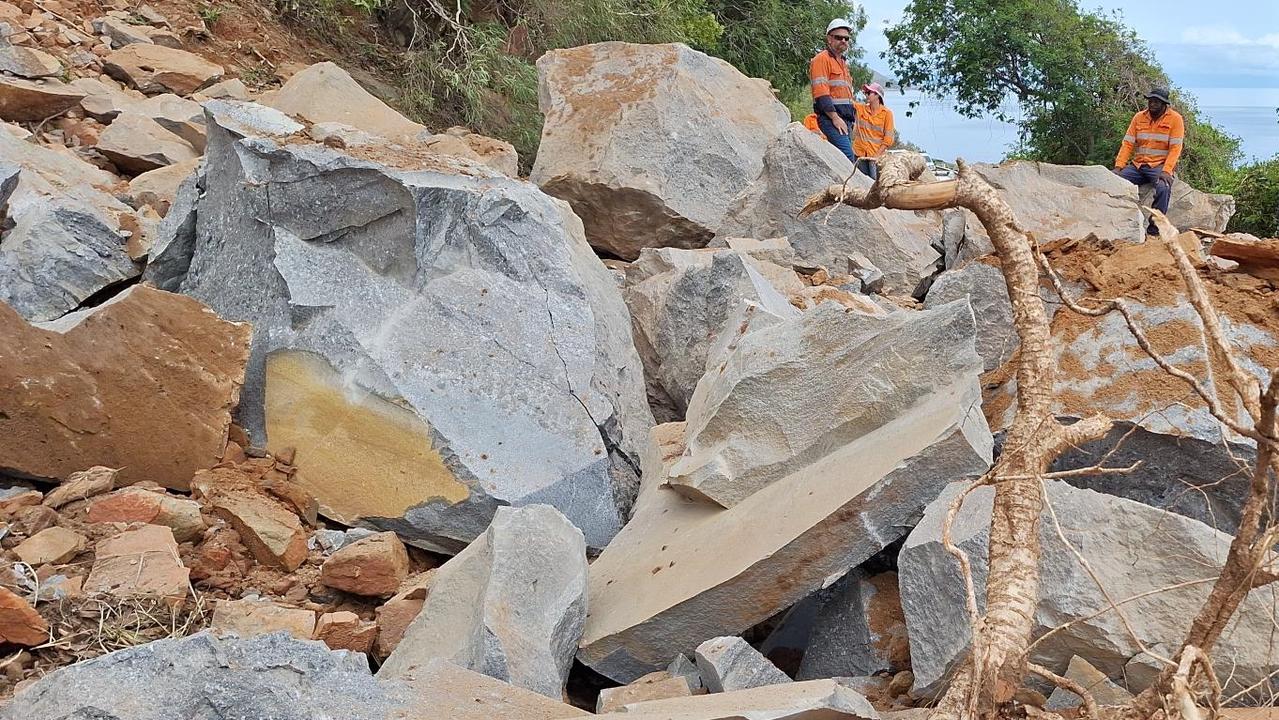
439,689
799,163
530,558
98,388
434,343
248,617
325,93
683,572
28,62
637,141
140,562
23,100
1132,548
154,69
137,143
815,698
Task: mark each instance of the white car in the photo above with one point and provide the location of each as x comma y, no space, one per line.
940,171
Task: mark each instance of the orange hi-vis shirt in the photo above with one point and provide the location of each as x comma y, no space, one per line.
1153,143
828,75
874,130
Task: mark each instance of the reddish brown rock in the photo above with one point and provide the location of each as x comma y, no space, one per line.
139,562
259,617
32,101
20,624
51,545
155,69
18,499
270,531
346,631
395,615
375,566
295,496
129,505
31,520
82,485
145,382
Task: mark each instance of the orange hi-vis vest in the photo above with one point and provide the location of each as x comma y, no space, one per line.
874,130
828,76
1153,143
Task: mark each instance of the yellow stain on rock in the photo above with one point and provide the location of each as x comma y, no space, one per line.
358,454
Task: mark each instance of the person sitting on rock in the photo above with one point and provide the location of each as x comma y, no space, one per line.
1153,142
873,134
833,87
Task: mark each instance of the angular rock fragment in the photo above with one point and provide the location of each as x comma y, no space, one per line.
634,142
159,188
815,698
136,144
268,676
894,400
20,624
53,545
530,558
532,393
154,69
439,689
249,617
1091,679
726,664
325,92
395,615
169,255
81,485
799,163
680,302
1132,548
374,566
139,562
104,100
100,386
660,685
859,630
28,62
987,292
345,631
130,505
24,100
271,532
121,33
1191,208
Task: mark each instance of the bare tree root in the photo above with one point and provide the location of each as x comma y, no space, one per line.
1065,683
997,665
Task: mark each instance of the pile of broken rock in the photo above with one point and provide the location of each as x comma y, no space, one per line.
342,394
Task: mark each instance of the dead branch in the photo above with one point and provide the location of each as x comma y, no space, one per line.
1065,683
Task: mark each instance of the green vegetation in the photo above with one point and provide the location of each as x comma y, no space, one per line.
1256,190
473,63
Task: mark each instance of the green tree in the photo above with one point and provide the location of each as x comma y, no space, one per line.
1256,190
1077,78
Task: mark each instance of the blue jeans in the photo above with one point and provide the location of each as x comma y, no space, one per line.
1139,176
843,142
869,168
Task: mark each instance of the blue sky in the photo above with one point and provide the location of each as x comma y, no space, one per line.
1228,43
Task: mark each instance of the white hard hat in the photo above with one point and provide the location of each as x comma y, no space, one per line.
839,23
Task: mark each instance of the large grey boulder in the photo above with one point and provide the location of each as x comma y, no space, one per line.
729,663
984,286
858,629
273,676
1132,548
640,140
799,163
1056,202
169,257
680,301
510,606
1190,208
849,425
434,343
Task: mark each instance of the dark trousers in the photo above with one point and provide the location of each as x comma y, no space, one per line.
843,142
1138,175
869,168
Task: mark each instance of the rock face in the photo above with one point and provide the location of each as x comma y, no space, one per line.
1133,549
726,664
1068,201
826,699
987,292
680,301
434,344
325,92
99,386
511,605
682,572
638,140
858,630
799,163
155,69
271,676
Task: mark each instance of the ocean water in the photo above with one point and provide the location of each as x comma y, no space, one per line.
1248,113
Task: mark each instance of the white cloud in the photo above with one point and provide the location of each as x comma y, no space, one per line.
1225,35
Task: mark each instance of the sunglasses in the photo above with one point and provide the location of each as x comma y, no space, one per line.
841,38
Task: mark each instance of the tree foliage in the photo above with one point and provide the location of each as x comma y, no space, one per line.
1256,190
1076,77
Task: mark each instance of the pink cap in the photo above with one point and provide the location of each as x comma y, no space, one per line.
874,88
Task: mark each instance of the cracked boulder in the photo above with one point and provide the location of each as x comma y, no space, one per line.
680,302
1132,548
510,605
638,139
435,343
856,423
799,163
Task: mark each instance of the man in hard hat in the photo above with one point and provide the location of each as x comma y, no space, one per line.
1153,143
873,131
833,87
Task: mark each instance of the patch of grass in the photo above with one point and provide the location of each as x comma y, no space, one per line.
209,15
